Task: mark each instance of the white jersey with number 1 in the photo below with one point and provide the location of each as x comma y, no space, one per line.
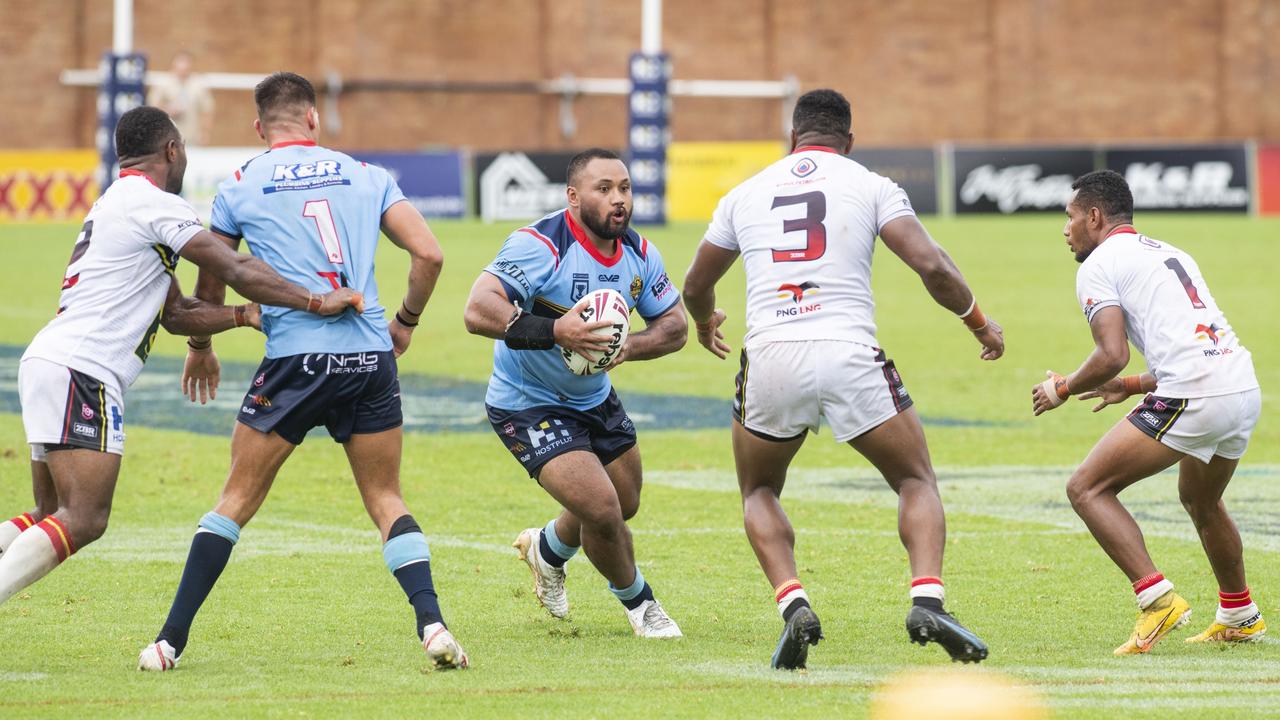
1169,313
117,281
806,227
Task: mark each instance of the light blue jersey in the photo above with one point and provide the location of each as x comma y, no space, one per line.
546,268
314,215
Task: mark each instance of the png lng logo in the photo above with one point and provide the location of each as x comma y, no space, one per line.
797,292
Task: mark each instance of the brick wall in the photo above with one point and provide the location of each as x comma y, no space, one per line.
916,71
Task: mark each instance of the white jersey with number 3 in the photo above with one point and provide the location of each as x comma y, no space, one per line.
806,227
1169,314
117,281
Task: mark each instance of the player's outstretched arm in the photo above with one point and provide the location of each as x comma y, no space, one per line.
1110,355
408,230
256,281
710,264
491,314
908,239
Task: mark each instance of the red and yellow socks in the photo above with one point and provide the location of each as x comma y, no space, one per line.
13,527
1236,609
33,555
1150,588
791,597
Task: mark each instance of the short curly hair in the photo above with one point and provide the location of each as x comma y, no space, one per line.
822,112
1106,190
143,131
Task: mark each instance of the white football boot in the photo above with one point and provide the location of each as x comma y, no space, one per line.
443,648
649,620
157,657
548,580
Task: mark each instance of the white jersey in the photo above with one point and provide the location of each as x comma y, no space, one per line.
806,227
1169,313
117,281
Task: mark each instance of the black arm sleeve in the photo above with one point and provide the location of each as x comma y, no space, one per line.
530,332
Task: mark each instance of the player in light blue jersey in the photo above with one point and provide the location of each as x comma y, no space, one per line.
571,432
314,215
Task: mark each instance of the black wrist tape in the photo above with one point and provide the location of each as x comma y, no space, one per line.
530,332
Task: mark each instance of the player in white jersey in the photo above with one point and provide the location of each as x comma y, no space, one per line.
1200,405
805,228
118,289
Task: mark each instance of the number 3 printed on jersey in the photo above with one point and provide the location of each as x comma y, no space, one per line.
815,205
318,210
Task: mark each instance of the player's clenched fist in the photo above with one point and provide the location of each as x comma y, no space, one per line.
991,336
1049,394
335,301
710,335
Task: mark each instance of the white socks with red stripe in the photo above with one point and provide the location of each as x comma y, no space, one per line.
1236,609
1150,588
12,528
927,586
33,555
789,595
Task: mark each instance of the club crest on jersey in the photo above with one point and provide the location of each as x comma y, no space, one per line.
804,167
86,412
305,176
797,292
581,282
636,286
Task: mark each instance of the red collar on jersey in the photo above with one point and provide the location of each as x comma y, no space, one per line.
1126,228
820,148
287,143
590,247
139,173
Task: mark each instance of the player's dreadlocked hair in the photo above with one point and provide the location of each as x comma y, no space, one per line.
579,162
283,93
822,112
143,131
1107,191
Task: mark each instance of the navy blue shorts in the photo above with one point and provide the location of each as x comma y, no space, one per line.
349,394
539,433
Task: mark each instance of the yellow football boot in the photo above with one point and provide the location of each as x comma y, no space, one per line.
1162,617
1248,631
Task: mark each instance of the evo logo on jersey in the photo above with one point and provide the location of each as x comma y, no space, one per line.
305,176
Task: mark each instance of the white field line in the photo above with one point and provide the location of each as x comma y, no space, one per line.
1025,494
1185,682
22,677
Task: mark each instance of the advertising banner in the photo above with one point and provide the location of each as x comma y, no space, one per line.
520,186
914,169
432,181
47,185
1212,178
1269,179
650,135
1009,180
703,172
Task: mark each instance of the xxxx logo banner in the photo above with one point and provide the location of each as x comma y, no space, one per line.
47,186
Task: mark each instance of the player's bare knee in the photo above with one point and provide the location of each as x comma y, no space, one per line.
87,525
630,507
1082,488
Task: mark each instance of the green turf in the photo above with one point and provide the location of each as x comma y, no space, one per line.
307,621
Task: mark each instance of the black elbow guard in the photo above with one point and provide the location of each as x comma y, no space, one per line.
530,332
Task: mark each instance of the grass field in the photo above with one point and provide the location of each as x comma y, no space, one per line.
306,620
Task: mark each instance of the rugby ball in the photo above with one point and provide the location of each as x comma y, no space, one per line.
608,306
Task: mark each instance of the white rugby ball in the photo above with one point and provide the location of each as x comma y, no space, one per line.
602,306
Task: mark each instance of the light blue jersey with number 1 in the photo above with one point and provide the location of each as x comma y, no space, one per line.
314,215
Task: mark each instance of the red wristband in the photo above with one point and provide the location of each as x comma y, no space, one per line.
974,319
313,303
241,318
1132,384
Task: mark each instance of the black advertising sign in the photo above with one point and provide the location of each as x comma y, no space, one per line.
914,169
1189,178
1009,180
519,185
